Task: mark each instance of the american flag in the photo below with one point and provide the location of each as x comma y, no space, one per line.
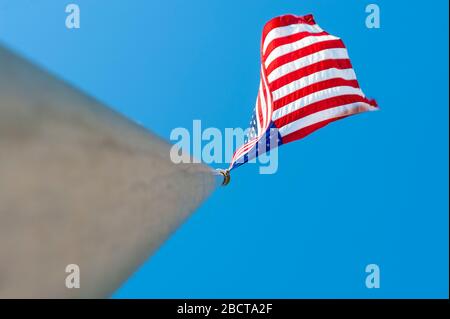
307,81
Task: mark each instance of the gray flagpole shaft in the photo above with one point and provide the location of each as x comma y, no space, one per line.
80,184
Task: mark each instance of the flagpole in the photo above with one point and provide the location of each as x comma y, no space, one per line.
81,186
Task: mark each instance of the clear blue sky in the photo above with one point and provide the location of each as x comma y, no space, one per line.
368,189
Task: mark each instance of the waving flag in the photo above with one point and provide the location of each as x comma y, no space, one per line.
307,81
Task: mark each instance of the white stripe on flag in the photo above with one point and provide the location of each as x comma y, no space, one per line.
315,97
263,105
332,73
289,30
324,115
326,54
290,47
258,123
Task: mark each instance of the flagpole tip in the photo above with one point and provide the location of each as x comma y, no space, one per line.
226,176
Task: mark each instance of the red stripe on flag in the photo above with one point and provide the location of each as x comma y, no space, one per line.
310,89
259,111
310,49
266,109
320,106
285,20
308,130
289,39
340,64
